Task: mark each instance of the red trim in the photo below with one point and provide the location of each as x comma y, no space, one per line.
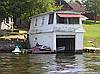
69,15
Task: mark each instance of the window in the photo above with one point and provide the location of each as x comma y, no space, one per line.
43,18
7,20
51,17
74,20
71,21
65,20
62,20
36,22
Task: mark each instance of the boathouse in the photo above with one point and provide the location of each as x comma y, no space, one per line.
57,30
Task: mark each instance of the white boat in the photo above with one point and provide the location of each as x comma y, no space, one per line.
17,50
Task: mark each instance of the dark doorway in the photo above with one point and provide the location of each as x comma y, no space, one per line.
68,43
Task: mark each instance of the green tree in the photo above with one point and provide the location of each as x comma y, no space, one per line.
24,8
3,12
39,6
92,6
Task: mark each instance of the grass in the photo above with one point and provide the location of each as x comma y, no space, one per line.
8,34
92,32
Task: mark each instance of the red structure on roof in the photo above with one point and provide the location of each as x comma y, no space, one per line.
77,7
70,6
69,15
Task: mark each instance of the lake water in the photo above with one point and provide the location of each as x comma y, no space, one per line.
88,63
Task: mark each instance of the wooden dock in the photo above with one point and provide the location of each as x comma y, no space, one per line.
43,52
91,50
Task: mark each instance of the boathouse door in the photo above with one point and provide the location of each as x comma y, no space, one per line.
65,43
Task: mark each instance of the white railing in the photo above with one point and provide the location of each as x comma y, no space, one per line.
66,27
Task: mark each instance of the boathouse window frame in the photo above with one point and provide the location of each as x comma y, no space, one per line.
62,20
51,18
67,20
74,20
43,19
36,21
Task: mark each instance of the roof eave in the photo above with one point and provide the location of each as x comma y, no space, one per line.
57,11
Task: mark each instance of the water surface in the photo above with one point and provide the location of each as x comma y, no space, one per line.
88,63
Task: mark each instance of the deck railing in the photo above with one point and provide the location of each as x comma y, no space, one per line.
56,28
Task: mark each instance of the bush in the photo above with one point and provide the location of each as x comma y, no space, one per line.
90,22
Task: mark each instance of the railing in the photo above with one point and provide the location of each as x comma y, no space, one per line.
66,27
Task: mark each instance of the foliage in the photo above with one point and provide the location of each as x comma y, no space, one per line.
24,8
39,6
3,12
92,6
90,22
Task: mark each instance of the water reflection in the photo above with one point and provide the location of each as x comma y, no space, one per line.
68,64
14,64
49,63
92,62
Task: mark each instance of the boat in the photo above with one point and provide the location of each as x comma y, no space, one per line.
17,50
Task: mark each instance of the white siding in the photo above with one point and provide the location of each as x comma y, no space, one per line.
42,39
7,25
79,41
31,25
40,27
39,20
31,40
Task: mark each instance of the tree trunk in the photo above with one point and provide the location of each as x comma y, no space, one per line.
95,12
0,24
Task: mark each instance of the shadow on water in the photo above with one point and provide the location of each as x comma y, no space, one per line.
49,63
65,58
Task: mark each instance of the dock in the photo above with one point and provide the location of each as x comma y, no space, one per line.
91,50
42,52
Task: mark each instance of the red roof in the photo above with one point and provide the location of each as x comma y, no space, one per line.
77,7
69,15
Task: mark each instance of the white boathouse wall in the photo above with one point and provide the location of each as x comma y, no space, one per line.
45,34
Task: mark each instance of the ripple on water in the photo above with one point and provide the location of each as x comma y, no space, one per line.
49,64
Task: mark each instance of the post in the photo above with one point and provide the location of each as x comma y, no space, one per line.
12,27
95,12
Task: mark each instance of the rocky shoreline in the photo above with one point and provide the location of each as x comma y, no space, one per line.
9,45
6,46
